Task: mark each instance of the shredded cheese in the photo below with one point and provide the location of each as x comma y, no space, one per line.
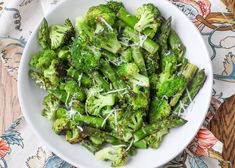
81,129
79,79
114,91
66,101
104,21
130,145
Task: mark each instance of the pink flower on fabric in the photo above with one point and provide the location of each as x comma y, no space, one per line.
202,142
4,148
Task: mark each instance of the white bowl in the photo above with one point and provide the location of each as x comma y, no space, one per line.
31,96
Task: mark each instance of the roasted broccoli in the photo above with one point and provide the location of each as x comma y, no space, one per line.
73,136
116,154
96,101
51,105
42,59
100,17
61,125
71,87
149,17
84,58
159,109
131,71
60,35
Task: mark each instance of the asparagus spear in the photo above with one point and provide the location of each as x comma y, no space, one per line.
164,35
171,122
139,59
94,121
145,42
89,145
188,72
99,80
194,88
108,71
176,43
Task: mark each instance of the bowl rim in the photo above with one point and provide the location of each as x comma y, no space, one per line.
33,127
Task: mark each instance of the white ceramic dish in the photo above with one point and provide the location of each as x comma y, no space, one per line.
31,96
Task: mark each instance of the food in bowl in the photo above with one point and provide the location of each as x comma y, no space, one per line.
115,82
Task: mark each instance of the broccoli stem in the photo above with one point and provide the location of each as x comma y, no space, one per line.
85,80
188,72
100,80
94,121
193,89
131,21
148,44
139,60
171,122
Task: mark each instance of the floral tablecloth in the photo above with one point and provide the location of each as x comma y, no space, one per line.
20,148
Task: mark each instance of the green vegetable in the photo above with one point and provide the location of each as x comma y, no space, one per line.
61,125
114,79
42,59
116,154
149,17
43,35
96,102
131,72
60,35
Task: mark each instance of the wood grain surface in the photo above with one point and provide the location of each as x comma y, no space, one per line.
222,125
9,104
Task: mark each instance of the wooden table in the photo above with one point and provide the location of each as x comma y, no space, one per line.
223,124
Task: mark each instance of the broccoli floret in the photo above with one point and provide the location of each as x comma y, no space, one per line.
149,17
64,54
72,88
130,122
51,104
171,86
73,136
42,59
114,5
52,73
96,101
131,71
40,80
100,17
84,58
60,35
107,39
117,154
139,100
169,62
83,30
155,139
43,35
159,109
61,125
